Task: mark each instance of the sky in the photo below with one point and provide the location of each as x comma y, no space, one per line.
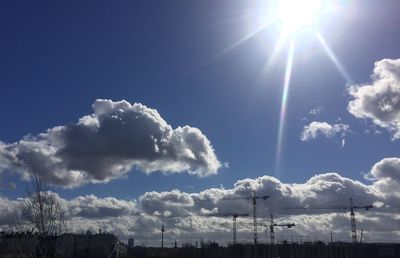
151,107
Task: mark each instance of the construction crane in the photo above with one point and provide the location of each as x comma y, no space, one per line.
254,199
353,218
351,208
272,225
234,217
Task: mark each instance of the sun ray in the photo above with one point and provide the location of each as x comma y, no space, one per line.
282,115
231,47
333,58
241,40
277,49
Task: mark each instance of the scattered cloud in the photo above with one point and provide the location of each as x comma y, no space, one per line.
379,101
315,111
315,129
116,138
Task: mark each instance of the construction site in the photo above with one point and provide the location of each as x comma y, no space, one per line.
302,246
102,244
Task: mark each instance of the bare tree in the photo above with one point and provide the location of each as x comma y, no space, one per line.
42,208
42,212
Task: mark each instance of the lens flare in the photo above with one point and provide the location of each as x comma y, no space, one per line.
242,40
333,58
282,116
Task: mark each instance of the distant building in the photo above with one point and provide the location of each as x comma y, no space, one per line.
66,245
18,244
131,243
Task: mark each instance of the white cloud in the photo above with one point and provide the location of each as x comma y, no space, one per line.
379,101
315,111
387,168
328,189
176,202
187,212
388,172
9,210
315,129
116,138
90,206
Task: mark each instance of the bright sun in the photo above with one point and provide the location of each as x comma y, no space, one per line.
296,15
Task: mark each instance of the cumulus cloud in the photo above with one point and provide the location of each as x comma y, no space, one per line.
175,202
315,129
9,209
188,214
388,172
322,190
379,101
387,168
116,138
90,206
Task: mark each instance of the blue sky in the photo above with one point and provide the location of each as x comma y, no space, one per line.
57,58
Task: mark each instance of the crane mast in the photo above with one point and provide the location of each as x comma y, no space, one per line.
255,217
234,221
353,222
234,226
271,230
253,198
273,225
234,229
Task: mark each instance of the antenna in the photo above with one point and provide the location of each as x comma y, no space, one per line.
162,232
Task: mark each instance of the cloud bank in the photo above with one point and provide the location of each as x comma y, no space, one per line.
116,138
187,212
379,101
315,129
